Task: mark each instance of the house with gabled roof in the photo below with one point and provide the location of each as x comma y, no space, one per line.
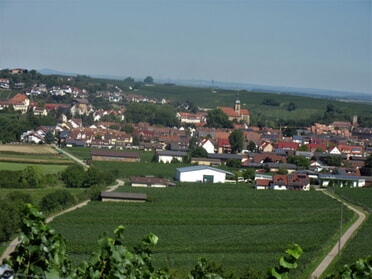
20,103
296,181
207,144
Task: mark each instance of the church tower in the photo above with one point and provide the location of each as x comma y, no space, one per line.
237,104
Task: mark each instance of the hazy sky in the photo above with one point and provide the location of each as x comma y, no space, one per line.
323,44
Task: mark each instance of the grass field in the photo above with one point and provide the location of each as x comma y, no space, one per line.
27,148
360,246
230,224
47,169
20,156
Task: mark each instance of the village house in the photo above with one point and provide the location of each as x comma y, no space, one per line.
290,182
207,144
20,102
192,118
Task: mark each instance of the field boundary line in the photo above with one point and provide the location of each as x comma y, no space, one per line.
344,238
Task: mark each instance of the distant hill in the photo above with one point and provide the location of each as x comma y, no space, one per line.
309,92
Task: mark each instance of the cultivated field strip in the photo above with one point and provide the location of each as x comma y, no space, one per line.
230,224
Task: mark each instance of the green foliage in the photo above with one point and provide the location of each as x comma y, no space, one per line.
74,176
49,137
199,152
361,268
234,163
282,170
205,269
33,175
251,146
299,160
333,160
148,80
303,147
154,114
286,263
41,252
218,119
57,200
113,260
236,139
249,173
10,219
270,102
291,106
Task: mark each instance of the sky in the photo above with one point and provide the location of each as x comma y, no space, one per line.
323,44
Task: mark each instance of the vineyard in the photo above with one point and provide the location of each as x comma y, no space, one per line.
360,245
237,227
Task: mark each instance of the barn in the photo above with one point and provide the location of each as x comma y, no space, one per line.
111,155
203,174
123,197
148,182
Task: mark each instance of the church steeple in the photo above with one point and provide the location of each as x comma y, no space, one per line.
237,104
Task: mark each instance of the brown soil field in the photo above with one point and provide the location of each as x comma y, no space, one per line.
39,161
28,148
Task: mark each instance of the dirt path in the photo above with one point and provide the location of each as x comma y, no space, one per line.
13,244
341,243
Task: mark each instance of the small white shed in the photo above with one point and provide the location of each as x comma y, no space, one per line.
204,174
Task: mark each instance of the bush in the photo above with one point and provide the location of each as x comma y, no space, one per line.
57,200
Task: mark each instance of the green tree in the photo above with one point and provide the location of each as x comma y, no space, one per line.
49,137
218,119
333,160
234,163
148,80
74,176
236,139
249,173
298,160
251,146
282,170
199,152
303,147
33,175
291,106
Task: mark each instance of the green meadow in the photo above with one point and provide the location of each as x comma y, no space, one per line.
46,168
233,225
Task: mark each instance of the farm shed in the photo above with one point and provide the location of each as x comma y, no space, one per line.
123,197
326,180
205,161
111,155
167,156
148,182
201,174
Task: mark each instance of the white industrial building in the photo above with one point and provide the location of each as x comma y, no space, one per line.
203,174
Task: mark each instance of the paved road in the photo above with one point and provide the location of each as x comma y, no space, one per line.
13,244
340,244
